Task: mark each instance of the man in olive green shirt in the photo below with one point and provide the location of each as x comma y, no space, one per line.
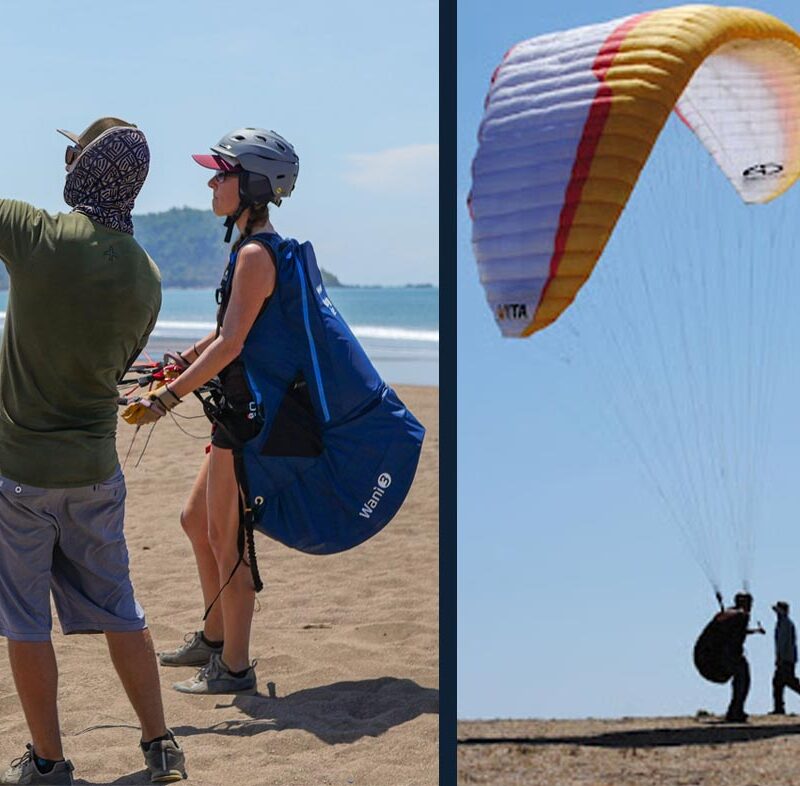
83,300
84,297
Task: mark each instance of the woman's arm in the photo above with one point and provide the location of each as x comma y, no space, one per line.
253,283
190,354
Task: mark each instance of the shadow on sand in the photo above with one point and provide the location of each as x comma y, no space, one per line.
133,779
709,733
337,713
341,712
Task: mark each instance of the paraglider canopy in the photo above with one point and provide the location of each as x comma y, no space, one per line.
570,121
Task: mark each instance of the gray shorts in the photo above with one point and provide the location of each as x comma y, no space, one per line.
69,541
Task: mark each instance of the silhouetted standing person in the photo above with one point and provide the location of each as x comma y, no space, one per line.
737,621
785,657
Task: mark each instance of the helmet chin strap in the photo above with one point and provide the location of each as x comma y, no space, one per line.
231,220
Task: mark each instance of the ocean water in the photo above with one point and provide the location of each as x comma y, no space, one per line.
398,327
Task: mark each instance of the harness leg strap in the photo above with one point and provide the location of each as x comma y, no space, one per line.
244,537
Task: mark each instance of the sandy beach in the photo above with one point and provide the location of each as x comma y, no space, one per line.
347,645
687,751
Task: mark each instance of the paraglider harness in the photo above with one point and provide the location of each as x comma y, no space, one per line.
218,406
710,654
715,654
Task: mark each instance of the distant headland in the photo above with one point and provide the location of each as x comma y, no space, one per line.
186,244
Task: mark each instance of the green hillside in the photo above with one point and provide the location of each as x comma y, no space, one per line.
187,247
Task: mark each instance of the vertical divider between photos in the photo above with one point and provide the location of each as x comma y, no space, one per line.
447,391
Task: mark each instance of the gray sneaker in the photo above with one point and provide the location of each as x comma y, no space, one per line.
165,762
193,652
24,770
214,677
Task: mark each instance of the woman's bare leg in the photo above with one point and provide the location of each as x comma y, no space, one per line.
194,520
238,598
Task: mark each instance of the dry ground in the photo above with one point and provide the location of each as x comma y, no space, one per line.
700,751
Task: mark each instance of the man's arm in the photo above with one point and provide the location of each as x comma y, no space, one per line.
20,232
143,340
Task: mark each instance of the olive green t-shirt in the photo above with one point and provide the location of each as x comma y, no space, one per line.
82,302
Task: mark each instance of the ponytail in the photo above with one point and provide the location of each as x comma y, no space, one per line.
259,213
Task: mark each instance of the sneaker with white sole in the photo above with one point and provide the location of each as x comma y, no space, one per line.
215,677
193,652
165,761
25,771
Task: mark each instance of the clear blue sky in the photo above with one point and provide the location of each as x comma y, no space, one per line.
352,84
575,597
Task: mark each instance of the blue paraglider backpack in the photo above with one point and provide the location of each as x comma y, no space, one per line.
338,450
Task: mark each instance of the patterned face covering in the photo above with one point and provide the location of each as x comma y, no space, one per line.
108,176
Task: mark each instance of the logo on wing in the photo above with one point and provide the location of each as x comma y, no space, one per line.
761,171
511,311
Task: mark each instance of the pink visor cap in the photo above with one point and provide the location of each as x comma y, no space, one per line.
216,162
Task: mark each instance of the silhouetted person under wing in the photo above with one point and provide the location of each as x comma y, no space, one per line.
719,652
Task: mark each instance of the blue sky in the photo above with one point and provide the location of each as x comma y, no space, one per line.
353,85
576,597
